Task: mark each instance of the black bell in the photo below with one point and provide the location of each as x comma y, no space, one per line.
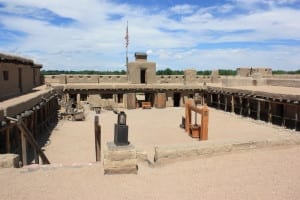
122,118
121,130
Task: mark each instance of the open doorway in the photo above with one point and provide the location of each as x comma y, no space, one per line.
143,76
176,98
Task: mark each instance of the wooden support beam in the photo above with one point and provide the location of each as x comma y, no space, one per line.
282,115
241,105
225,102
248,107
232,103
219,101
296,117
258,110
97,138
270,112
8,147
24,148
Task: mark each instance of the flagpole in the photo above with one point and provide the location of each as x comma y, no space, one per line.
127,42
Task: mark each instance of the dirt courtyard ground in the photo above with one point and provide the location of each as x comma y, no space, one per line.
73,142
256,174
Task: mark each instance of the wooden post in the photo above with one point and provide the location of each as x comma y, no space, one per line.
296,117
34,134
97,138
270,112
204,124
283,115
219,101
241,105
258,110
248,107
8,140
78,100
24,148
225,102
187,117
232,103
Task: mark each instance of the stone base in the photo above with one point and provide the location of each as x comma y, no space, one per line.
9,160
120,159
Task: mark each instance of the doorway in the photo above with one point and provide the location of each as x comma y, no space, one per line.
176,98
143,76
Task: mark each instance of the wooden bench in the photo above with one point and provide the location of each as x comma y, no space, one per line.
146,105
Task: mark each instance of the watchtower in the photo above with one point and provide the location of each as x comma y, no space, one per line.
141,71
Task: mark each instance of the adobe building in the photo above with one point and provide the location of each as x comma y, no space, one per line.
18,75
141,71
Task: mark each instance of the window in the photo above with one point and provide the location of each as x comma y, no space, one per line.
5,75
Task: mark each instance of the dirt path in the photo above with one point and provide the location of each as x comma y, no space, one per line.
263,174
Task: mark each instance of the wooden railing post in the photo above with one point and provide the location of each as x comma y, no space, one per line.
204,124
97,138
187,120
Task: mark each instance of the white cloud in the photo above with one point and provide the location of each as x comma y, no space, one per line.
183,9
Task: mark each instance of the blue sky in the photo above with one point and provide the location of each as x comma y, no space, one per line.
200,34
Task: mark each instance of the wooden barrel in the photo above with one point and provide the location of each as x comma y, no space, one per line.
161,99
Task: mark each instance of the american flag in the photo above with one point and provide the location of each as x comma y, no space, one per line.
127,36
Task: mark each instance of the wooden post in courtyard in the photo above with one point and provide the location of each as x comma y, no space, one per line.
97,138
188,116
204,124
203,135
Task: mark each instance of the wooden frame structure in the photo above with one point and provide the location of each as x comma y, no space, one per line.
203,111
24,130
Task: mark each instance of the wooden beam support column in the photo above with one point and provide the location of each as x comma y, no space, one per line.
232,103
24,148
8,147
219,101
97,138
225,102
296,117
248,107
241,105
270,112
282,115
258,110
